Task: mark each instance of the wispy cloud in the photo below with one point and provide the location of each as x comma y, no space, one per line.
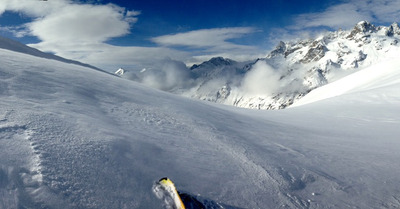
17,31
212,42
338,16
215,39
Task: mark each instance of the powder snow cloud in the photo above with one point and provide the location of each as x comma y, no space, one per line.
260,80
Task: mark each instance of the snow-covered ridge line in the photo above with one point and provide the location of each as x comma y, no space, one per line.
9,44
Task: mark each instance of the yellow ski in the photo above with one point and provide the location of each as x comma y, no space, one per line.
166,191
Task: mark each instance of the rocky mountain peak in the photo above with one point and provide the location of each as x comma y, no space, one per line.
279,49
215,61
316,52
364,26
393,29
361,29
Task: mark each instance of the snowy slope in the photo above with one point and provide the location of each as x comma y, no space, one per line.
384,74
73,137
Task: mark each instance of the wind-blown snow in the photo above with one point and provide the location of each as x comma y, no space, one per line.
73,137
261,79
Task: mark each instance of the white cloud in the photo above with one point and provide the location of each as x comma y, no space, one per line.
133,13
58,21
17,31
80,23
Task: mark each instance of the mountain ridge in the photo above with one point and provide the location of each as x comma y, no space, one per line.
292,69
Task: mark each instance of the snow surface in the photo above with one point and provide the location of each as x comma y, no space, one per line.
74,137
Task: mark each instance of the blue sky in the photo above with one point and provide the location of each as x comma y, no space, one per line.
159,18
136,34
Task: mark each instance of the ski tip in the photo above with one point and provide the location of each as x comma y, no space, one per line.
163,179
167,182
166,191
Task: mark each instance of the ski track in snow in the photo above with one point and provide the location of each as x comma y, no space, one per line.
267,178
22,177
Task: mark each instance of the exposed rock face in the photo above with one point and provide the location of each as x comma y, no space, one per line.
392,30
315,52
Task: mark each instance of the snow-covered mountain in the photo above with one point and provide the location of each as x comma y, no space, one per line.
74,137
307,65
292,70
